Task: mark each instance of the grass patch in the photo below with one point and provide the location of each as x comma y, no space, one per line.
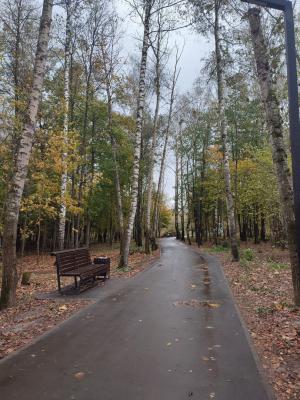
263,311
277,266
219,249
124,269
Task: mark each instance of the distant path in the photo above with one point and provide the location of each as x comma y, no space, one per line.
170,333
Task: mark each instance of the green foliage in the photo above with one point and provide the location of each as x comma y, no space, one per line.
219,249
277,266
264,311
248,254
244,263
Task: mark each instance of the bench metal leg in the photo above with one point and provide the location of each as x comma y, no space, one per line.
58,283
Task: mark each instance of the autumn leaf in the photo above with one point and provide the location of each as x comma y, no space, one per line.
79,376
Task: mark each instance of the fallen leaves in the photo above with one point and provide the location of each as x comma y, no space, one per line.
264,297
196,303
79,376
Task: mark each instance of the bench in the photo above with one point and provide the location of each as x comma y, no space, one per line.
77,263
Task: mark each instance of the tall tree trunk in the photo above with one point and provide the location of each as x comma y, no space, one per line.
224,135
188,204
177,191
181,187
64,177
263,228
108,66
279,153
138,136
12,205
138,230
163,158
148,232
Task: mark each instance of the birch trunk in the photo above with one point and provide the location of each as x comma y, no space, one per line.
279,153
148,231
64,177
13,200
138,136
117,174
181,187
163,158
224,136
176,191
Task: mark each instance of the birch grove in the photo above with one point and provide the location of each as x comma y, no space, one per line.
107,141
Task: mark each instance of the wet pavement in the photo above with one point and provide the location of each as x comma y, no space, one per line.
170,333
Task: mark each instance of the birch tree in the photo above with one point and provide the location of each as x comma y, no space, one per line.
176,200
158,55
279,151
223,132
148,4
64,177
167,133
12,206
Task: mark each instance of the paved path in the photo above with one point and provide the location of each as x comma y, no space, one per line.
170,333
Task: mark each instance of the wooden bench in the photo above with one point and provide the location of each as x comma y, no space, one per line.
78,263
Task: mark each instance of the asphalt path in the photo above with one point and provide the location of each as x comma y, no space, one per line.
170,333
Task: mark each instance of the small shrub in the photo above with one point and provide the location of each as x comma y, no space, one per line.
244,263
26,278
225,244
248,254
134,250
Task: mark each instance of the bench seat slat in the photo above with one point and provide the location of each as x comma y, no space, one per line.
83,270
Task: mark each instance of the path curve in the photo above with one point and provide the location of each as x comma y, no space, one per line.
170,333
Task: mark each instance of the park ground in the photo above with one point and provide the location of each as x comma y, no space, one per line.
260,282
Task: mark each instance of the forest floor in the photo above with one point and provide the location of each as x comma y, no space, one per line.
261,284
32,316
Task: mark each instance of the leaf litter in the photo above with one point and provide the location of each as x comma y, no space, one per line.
264,297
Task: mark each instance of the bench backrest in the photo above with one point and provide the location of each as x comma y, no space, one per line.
67,260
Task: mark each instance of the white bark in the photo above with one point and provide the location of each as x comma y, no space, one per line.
12,205
177,189
275,126
64,177
163,158
148,232
224,135
138,136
